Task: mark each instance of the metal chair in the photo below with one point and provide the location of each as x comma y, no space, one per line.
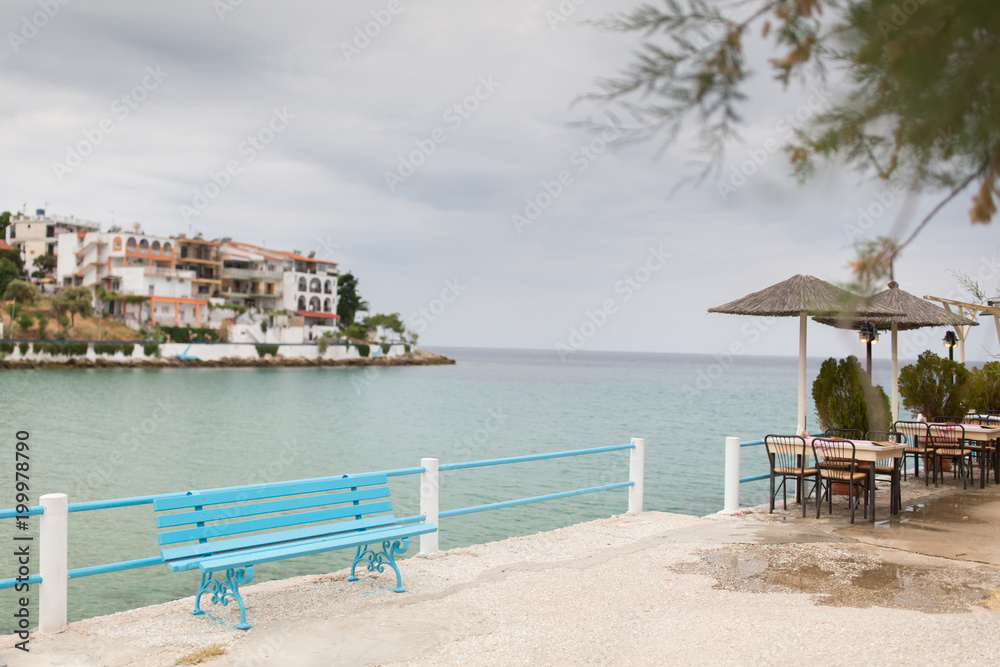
837,463
949,442
887,467
789,458
919,447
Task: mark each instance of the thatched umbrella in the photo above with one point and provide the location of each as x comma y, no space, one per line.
802,296
918,313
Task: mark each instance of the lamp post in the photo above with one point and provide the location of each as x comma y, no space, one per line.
868,335
950,341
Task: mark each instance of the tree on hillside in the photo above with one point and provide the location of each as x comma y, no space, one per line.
75,301
349,300
920,79
45,263
21,291
392,322
8,273
4,224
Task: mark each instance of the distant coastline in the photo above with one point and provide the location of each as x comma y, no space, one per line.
415,358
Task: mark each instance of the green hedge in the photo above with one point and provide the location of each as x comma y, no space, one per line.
266,349
151,349
184,334
23,346
107,348
385,348
67,349
6,347
364,350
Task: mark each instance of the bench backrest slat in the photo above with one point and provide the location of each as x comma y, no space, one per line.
322,530
270,507
262,491
271,522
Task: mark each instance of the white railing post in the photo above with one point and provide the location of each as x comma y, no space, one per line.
636,463
429,504
732,493
52,563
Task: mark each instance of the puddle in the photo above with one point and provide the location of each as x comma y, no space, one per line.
843,578
952,509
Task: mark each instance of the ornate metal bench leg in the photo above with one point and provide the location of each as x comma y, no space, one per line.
222,591
354,563
197,611
377,559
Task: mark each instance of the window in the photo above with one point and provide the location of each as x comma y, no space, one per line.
150,289
184,251
117,243
50,231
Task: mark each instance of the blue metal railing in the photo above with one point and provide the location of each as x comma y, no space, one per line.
134,501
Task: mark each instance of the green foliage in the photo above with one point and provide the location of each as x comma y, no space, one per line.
70,349
322,345
934,386
845,398
7,347
263,326
8,273
45,263
409,348
385,348
190,334
4,223
25,320
228,306
75,301
111,349
392,322
263,349
984,387
128,349
23,346
41,322
364,350
349,301
151,349
917,85
21,291
356,332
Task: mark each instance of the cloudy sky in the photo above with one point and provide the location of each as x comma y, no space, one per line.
405,153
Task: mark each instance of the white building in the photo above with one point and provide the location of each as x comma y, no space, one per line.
131,264
37,235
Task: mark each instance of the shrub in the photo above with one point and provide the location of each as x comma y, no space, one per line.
385,348
984,387
322,344
190,334
21,291
39,348
845,398
151,349
934,386
127,348
7,347
364,350
106,348
75,349
409,348
23,347
263,350
25,320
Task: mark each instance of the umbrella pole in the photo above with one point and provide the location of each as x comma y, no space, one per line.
895,376
802,373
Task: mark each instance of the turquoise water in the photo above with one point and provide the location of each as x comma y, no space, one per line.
98,434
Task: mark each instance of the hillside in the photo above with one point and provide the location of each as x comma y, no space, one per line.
85,328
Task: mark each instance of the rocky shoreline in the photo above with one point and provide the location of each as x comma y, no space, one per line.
417,358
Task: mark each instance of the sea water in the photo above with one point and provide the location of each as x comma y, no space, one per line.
99,434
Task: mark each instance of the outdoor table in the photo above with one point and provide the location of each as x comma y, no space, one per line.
976,432
865,451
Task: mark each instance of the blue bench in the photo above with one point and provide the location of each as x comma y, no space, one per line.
232,529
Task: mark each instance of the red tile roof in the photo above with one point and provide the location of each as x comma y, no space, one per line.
316,314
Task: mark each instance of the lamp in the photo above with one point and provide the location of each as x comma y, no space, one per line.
868,334
950,341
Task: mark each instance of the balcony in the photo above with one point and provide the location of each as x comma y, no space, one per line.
250,273
247,294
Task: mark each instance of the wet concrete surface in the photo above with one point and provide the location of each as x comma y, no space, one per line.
846,576
940,554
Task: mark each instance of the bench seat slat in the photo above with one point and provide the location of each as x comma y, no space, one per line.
309,547
195,552
261,491
272,522
252,509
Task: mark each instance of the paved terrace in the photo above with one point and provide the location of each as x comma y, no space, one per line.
650,589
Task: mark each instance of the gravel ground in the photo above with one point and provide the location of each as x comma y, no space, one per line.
649,589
